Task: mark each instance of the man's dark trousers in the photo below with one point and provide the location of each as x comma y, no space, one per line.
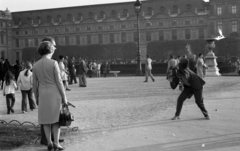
72,77
189,91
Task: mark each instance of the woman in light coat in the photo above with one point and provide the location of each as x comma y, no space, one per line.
49,93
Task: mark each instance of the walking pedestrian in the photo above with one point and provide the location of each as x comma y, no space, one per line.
193,85
82,73
72,70
25,82
9,88
148,69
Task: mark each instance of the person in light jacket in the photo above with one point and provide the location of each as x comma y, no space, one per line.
25,82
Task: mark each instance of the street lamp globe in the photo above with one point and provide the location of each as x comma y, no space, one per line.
137,6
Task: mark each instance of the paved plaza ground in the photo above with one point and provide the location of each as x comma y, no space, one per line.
126,114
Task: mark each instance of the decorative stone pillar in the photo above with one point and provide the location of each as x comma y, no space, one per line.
210,60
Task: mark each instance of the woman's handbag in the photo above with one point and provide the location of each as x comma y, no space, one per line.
65,118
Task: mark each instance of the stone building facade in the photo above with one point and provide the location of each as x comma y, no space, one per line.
160,20
5,33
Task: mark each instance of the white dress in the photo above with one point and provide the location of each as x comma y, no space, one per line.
62,71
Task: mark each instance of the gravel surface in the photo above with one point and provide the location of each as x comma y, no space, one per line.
109,104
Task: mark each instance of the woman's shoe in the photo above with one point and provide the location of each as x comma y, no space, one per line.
57,148
50,147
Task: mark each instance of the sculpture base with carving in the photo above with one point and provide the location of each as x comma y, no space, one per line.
210,60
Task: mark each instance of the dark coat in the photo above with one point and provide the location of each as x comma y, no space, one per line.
192,79
83,67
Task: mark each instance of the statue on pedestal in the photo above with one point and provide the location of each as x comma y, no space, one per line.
210,58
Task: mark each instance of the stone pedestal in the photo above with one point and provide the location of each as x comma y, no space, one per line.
210,60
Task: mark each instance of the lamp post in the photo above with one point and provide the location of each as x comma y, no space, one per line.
137,6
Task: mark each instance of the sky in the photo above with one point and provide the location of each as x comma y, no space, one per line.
24,5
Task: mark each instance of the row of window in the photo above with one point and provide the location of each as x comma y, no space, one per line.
130,25
112,13
232,10
234,26
2,24
118,37
2,39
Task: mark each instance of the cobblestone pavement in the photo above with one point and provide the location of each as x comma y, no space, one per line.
116,105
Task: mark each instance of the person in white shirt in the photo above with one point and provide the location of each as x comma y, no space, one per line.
148,69
25,83
63,72
98,69
9,88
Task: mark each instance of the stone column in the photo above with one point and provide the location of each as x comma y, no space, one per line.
210,60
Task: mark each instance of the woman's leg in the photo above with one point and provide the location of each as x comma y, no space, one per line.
24,101
31,100
47,130
56,133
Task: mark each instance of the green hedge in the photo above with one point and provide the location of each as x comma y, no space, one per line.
156,49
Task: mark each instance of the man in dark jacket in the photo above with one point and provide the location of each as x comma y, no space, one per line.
106,69
82,73
72,70
193,85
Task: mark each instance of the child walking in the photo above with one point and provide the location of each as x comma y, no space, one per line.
25,82
9,88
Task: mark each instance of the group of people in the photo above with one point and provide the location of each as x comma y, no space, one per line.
14,77
47,77
197,65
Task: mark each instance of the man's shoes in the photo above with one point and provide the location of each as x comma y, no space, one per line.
153,80
24,112
208,117
44,143
12,110
175,118
61,140
68,89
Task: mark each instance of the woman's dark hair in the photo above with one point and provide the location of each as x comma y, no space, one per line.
200,54
28,66
45,48
8,77
61,57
